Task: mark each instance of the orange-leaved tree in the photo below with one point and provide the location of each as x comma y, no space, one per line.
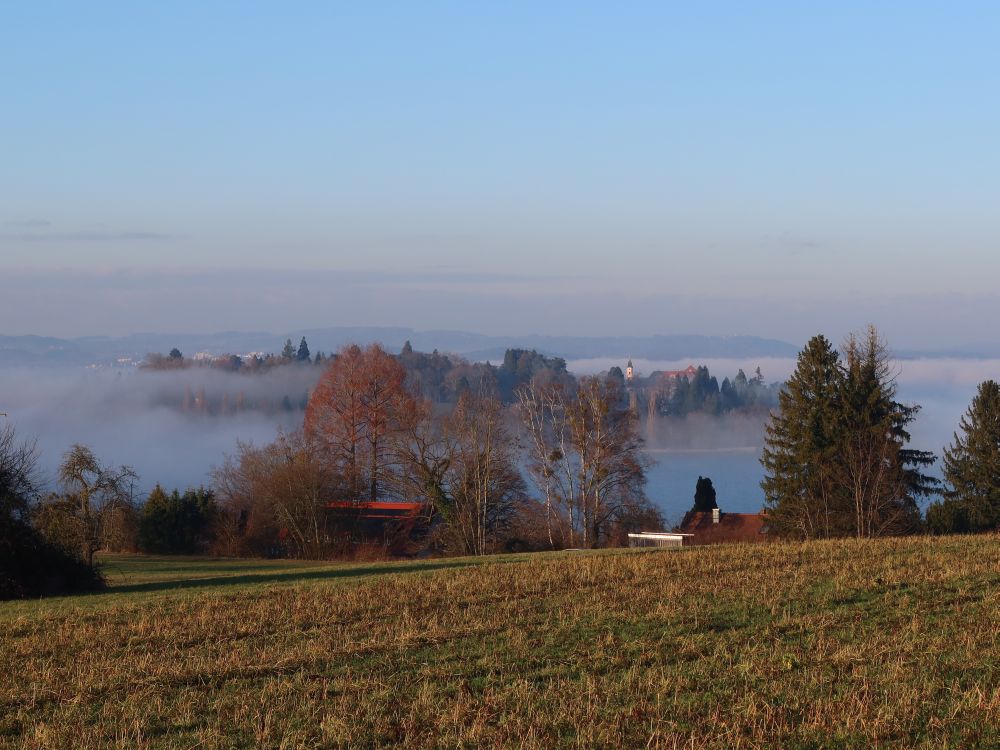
358,407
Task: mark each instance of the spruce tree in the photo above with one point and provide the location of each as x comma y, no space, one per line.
302,355
288,352
836,455
801,443
972,469
881,477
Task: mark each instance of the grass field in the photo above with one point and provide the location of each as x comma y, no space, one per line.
841,644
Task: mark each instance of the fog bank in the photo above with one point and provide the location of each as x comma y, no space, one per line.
942,387
135,418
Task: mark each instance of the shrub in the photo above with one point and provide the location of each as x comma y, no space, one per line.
31,566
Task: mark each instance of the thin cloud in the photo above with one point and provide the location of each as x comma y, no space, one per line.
86,236
269,278
793,244
27,223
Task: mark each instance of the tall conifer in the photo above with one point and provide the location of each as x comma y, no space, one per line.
882,478
302,353
972,469
836,455
799,446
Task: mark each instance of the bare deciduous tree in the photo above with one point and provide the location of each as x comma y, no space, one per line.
871,473
486,486
584,454
543,418
464,465
97,501
285,485
19,480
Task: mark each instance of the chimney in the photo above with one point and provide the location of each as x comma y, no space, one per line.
715,515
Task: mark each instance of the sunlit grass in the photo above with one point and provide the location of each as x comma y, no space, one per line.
841,644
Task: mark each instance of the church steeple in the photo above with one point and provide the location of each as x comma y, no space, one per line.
629,371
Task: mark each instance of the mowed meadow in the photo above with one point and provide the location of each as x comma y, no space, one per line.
892,643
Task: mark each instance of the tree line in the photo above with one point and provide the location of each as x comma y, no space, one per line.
668,395
254,363
526,457
371,435
560,465
437,377
838,460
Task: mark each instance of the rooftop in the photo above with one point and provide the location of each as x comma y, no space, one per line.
732,527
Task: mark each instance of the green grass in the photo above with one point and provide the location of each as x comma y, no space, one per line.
840,644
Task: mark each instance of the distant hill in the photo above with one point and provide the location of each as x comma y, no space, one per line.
50,351
38,350
42,350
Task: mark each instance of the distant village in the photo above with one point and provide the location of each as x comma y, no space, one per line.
665,393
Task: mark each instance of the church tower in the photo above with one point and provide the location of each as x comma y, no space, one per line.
629,371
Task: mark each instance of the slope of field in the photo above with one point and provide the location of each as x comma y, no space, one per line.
844,644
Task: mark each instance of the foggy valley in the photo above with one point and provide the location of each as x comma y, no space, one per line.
137,418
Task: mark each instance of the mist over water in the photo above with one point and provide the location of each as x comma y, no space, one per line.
136,418
725,448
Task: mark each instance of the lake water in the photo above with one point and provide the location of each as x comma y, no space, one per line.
735,474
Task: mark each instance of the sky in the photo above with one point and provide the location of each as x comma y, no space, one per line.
771,168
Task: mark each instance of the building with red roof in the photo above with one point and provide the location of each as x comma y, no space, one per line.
716,527
391,525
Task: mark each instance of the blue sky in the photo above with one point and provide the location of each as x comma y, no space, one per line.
768,168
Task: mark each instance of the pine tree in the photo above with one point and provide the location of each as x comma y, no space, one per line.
972,469
800,445
302,355
288,352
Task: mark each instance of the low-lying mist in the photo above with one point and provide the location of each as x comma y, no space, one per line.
942,387
174,426
136,417
702,432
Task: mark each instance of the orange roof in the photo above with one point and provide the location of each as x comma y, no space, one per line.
732,527
377,510
689,372
379,505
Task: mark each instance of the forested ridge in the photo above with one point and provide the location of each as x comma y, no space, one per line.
442,378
